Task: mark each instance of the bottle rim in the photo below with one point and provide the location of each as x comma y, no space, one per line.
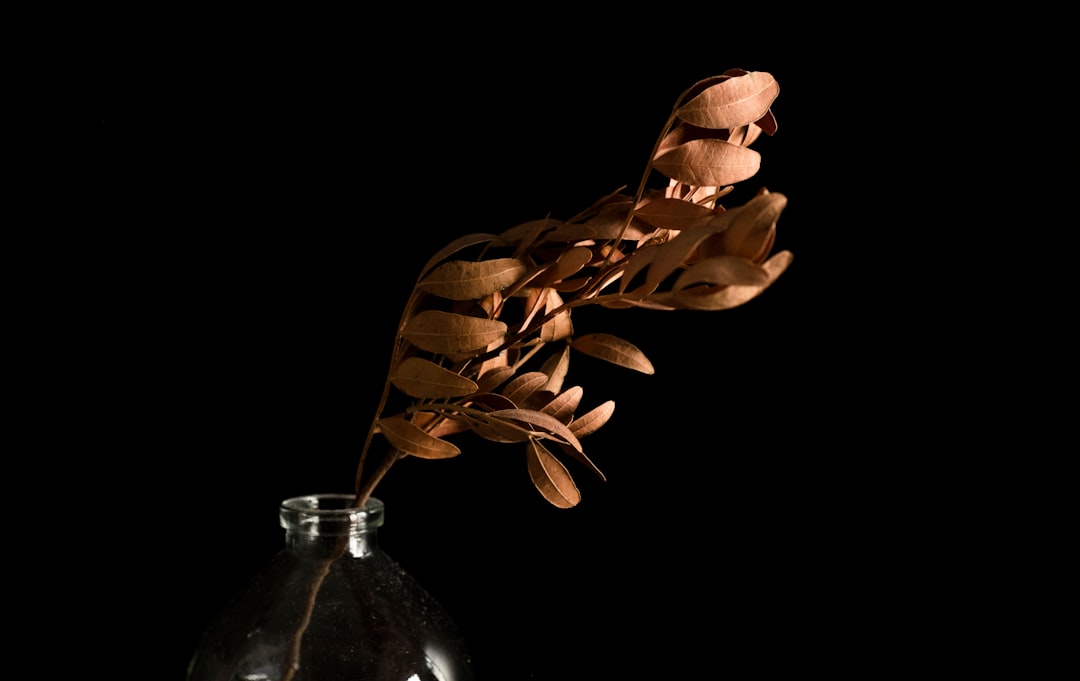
329,514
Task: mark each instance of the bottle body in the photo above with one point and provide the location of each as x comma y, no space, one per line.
331,605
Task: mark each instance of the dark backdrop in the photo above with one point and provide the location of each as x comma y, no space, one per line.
858,473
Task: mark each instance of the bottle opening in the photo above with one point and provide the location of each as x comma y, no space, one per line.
329,514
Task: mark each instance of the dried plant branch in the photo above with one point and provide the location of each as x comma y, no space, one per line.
645,178
486,306
485,341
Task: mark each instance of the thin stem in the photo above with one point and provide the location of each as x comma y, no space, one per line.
363,493
292,660
373,426
645,177
368,440
649,166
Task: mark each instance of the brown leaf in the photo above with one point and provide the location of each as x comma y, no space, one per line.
571,285
493,378
604,227
590,422
449,333
539,424
732,102
535,302
551,477
722,271
668,213
438,425
749,229
492,401
727,297
418,377
454,246
745,135
643,303
556,367
638,261
546,301
488,304
410,439
702,196
766,124
467,280
673,254
569,263
683,132
609,224
586,461
575,232
522,387
698,87
559,326
498,429
613,349
706,162
565,404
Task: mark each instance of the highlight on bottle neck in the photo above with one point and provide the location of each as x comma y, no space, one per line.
315,517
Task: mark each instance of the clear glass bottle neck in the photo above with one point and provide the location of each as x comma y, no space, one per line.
317,524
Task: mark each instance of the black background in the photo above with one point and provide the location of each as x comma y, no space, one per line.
858,474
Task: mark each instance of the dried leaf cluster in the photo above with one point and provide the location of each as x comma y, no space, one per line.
486,338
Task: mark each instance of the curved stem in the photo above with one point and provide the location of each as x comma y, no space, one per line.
645,175
358,481
292,660
364,492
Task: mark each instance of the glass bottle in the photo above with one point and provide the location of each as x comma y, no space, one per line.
331,606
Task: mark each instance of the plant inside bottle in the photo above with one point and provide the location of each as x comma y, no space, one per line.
484,346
